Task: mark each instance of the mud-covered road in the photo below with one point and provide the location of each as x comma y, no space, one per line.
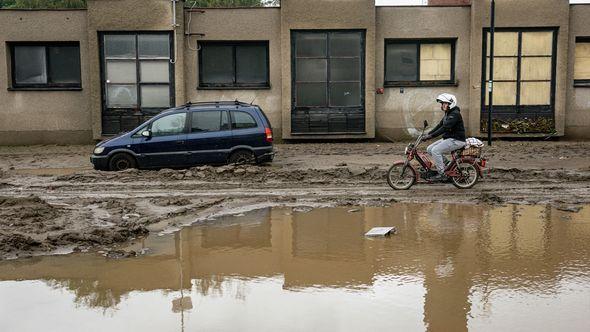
52,201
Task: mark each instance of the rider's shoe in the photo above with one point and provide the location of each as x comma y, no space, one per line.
439,178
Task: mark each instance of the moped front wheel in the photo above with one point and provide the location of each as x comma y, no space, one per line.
399,181
468,174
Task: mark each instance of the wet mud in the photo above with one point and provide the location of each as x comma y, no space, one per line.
51,200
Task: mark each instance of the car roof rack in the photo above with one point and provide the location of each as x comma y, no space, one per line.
217,103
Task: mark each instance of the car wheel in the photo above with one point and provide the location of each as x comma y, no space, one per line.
121,161
241,157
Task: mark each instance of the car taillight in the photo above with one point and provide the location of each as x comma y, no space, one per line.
268,133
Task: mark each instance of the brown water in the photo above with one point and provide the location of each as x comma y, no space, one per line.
450,268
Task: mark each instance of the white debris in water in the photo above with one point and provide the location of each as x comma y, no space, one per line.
381,231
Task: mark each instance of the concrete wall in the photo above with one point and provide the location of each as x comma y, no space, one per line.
33,117
256,24
400,112
522,13
328,14
577,120
127,15
38,117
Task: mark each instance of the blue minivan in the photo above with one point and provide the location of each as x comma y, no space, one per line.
193,134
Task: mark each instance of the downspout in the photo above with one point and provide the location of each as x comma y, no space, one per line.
174,26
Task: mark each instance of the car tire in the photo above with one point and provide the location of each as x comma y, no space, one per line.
121,161
241,157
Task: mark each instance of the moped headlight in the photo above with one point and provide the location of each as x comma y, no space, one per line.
98,150
407,150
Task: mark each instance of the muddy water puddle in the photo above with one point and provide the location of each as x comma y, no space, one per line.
449,268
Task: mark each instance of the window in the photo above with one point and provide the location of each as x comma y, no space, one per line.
524,80
328,69
205,121
582,61
45,66
419,62
233,65
523,68
242,120
173,124
137,71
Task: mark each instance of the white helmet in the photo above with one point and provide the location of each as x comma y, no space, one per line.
447,98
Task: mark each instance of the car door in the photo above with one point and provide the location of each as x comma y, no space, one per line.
166,145
245,129
208,135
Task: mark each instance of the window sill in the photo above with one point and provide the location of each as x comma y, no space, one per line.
46,89
418,84
233,88
582,84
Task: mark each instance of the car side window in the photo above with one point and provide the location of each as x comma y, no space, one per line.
204,121
224,120
173,124
242,120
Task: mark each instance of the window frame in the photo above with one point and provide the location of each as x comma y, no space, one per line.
137,60
581,83
235,85
518,108
14,86
418,42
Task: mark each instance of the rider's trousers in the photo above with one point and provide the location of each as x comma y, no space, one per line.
440,147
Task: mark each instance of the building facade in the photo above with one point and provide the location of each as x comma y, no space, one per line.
320,69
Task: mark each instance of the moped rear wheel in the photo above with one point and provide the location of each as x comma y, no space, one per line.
468,175
397,181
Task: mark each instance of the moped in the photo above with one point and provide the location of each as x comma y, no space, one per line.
463,170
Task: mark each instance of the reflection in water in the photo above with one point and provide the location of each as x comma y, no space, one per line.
450,268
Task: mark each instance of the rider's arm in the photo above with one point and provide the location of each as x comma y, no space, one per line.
435,129
446,125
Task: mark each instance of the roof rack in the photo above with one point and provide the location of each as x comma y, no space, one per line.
217,103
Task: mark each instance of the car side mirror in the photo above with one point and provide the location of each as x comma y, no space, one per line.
425,124
146,133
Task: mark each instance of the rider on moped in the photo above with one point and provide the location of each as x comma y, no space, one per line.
453,134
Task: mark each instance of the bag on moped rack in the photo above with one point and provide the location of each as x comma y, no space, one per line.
473,147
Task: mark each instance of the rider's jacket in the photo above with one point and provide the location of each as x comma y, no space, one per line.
451,126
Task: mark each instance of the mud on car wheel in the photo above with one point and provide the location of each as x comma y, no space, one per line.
121,161
242,157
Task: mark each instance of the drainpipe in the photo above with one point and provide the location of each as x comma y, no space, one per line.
174,26
491,81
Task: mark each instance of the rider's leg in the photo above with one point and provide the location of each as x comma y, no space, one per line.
446,146
431,146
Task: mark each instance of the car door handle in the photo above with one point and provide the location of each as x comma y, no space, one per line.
179,142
